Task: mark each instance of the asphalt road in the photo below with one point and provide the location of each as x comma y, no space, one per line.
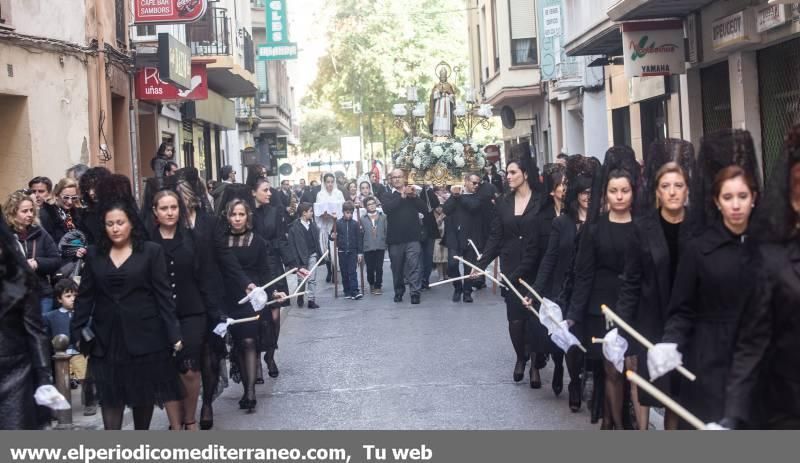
375,364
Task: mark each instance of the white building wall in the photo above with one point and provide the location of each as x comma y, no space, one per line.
595,124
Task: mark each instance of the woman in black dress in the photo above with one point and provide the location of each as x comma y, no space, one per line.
714,285
763,389
560,255
191,269
652,257
91,224
541,346
209,232
599,262
250,251
513,239
269,223
126,301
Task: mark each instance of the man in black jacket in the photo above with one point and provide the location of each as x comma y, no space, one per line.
430,234
404,209
463,223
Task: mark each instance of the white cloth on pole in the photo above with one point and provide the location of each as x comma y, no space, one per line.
663,358
550,315
614,348
563,338
258,299
48,396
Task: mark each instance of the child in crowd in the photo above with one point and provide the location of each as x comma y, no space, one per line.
57,322
373,225
304,246
350,244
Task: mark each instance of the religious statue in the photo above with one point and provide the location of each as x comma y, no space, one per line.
441,120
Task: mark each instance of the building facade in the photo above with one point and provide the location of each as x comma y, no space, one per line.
505,69
65,89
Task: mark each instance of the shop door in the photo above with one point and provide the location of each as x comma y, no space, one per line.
716,88
779,89
653,118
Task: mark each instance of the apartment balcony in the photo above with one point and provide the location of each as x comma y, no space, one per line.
246,112
213,36
274,118
570,74
630,10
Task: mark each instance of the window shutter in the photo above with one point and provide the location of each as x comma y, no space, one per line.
523,18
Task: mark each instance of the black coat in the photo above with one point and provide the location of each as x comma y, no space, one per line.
646,287
210,231
40,246
252,262
463,222
402,217
24,347
270,224
54,225
146,305
514,240
349,236
557,259
544,226
297,243
599,263
768,346
193,275
713,289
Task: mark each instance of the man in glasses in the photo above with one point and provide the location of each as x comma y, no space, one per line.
403,208
462,225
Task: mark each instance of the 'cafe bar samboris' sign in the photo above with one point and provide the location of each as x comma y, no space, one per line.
734,31
653,48
168,11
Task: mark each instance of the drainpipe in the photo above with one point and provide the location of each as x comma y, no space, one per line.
102,82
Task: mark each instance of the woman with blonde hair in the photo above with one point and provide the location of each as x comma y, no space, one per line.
36,245
65,214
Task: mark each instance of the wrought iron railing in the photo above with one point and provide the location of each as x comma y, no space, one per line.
211,35
258,3
249,51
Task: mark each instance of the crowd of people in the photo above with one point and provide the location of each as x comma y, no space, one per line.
157,296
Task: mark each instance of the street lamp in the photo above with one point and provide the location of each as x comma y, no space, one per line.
408,115
471,115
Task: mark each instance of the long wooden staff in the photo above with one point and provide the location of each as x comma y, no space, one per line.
335,262
272,282
496,269
541,301
666,400
636,335
310,272
479,270
361,265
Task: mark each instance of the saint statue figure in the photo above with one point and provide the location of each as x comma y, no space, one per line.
442,122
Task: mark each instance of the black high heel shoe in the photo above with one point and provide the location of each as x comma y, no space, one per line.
574,396
519,370
272,367
558,378
206,423
247,404
536,379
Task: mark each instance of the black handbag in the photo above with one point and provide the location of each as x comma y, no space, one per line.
88,338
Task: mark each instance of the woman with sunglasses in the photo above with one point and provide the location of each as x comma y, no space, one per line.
63,216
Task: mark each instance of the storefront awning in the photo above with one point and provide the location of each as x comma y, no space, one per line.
603,39
630,10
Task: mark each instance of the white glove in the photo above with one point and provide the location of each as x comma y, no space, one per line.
614,347
49,397
663,358
258,299
712,426
222,329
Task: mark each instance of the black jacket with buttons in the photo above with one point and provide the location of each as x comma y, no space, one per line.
191,271
145,304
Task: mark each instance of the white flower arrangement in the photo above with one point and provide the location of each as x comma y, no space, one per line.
423,154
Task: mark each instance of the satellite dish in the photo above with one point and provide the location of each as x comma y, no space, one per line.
508,117
285,169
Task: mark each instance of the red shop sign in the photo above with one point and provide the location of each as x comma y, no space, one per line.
151,88
168,11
